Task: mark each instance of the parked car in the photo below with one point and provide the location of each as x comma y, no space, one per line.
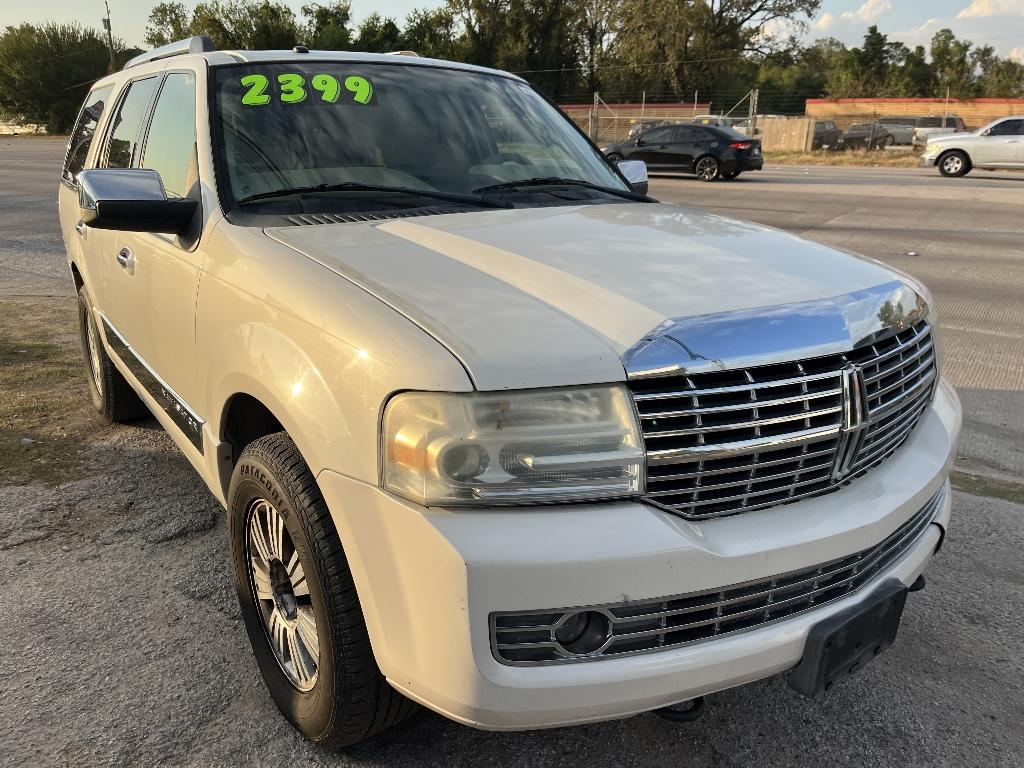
900,128
718,121
645,125
826,135
707,151
865,136
1000,144
495,433
936,125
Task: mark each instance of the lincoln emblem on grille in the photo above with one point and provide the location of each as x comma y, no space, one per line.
855,420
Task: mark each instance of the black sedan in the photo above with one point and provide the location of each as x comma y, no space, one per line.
708,151
866,136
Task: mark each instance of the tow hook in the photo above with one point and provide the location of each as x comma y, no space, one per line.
918,585
684,712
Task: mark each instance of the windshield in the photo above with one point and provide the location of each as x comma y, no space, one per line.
340,135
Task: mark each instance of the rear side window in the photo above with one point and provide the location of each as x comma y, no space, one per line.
172,134
85,130
126,130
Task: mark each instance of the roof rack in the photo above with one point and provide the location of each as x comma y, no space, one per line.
197,44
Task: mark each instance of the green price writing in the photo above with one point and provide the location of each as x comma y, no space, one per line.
291,89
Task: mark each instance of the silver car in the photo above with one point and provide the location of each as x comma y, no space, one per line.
1000,144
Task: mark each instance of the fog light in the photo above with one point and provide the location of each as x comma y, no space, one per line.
583,632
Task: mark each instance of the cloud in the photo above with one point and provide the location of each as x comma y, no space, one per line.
983,8
1017,54
870,12
825,21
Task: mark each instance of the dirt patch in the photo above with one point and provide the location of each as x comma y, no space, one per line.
980,485
44,402
856,157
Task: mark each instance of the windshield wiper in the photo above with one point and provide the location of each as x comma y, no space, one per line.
554,181
355,186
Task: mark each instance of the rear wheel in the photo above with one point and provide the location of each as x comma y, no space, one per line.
111,394
707,168
954,163
299,602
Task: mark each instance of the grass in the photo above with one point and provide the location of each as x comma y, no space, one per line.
854,157
45,412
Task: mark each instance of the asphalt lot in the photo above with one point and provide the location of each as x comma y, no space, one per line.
124,644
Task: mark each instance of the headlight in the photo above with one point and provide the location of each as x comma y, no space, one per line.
527,447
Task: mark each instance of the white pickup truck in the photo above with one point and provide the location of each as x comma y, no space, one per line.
496,432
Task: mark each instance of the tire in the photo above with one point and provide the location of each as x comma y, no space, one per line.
729,176
112,396
889,140
707,168
614,157
334,694
954,163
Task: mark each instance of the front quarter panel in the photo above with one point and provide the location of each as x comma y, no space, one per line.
319,352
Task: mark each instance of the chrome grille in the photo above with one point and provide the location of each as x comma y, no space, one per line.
727,442
529,637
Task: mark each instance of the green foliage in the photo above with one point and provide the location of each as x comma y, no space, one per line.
328,27
378,34
46,70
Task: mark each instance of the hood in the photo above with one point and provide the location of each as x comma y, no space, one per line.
557,296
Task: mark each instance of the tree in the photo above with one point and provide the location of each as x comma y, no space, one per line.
378,34
45,71
700,44
167,22
997,77
951,63
329,27
432,33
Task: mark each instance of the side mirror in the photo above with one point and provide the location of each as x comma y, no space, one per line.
132,200
635,172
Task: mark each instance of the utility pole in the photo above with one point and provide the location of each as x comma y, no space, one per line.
752,119
593,117
110,37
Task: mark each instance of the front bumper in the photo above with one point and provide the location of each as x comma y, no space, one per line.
428,580
928,159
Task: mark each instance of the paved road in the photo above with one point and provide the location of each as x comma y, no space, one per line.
123,644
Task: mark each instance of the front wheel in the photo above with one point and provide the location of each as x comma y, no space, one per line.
614,157
707,168
954,163
299,602
112,396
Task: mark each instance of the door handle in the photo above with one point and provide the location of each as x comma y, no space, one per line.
81,229
126,258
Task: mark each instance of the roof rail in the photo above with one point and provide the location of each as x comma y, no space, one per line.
197,44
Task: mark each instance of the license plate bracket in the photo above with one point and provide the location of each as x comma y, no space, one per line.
842,644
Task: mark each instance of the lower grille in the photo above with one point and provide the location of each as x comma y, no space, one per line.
529,637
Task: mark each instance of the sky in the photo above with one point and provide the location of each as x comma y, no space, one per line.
999,23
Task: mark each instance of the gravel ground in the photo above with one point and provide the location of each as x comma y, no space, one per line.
125,646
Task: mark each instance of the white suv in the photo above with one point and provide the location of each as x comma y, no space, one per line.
495,432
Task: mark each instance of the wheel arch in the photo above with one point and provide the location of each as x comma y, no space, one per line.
76,277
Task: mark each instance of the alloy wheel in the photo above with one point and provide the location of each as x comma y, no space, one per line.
953,164
707,169
282,595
